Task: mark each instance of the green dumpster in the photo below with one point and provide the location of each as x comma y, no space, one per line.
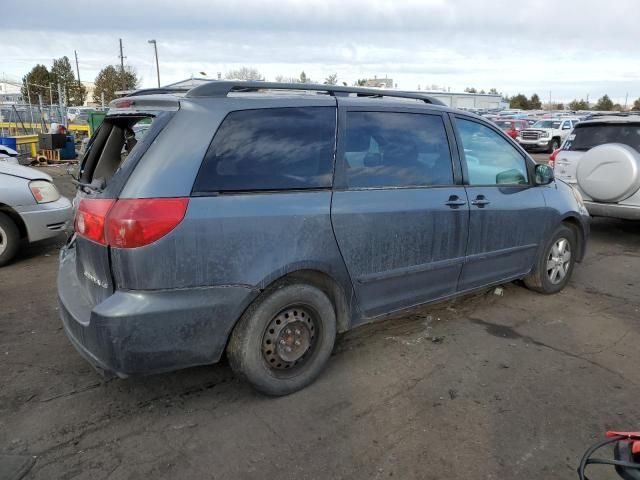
95,120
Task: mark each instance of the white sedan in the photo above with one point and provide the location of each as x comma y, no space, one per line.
31,208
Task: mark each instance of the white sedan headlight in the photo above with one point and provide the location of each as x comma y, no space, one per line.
43,191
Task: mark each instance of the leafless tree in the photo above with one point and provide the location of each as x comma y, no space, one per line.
244,73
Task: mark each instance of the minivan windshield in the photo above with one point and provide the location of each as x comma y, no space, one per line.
547,124
585,137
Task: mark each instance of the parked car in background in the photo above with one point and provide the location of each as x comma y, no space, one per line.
511,127
81,118
290,216
31,208
74,112
601,159
9,155
546,134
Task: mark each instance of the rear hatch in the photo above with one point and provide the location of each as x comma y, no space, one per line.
587,135
112,154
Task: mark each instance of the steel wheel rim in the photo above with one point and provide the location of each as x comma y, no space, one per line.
559,260
290,338
3,240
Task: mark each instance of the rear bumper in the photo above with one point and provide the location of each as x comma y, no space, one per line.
614,210
46,219
143,332
534,144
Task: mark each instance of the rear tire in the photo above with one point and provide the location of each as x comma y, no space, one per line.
283,340
555,265
9,239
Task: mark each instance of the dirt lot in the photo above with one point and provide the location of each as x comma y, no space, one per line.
495,387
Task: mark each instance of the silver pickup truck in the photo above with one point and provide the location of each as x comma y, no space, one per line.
546,134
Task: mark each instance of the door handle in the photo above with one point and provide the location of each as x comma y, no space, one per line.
455,202
480,201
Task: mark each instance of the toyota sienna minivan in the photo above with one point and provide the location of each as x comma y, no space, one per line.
259,219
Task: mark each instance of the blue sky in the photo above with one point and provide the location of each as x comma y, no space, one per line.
571,48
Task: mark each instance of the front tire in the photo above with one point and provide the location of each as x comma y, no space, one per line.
555,265
9,239
554,144
283,340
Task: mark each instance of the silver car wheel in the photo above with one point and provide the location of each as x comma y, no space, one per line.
3,240
559,260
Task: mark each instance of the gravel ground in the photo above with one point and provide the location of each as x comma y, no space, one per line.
495,387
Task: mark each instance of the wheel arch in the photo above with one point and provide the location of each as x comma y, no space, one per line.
573,223
16,218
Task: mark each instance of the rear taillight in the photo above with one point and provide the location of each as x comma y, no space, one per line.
91,219
129,223
552,158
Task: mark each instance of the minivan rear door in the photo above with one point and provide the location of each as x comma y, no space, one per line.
113,152
399,215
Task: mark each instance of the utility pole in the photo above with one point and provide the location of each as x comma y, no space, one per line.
62,106
550,100
155,49
122,57
30,107
79,83
43,127
626,99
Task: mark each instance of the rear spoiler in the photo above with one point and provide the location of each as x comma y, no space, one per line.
142,104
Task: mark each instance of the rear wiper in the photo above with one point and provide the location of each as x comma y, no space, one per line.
89,187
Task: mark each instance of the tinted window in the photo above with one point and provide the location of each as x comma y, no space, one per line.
271,149
585,137
491,159
385,149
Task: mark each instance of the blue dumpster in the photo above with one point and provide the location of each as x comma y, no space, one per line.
9,142
68,152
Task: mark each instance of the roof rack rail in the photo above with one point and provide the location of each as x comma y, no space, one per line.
156,91
221,88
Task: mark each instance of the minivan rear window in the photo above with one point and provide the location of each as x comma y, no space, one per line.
111,145
271,149
585,137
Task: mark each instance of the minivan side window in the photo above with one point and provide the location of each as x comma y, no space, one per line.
490,158
391,149
270,149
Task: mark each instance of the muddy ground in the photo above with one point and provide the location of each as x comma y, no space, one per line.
493,387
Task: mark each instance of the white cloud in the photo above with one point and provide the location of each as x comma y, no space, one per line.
570,47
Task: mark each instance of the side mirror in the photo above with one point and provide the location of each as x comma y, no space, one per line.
566,127
544,174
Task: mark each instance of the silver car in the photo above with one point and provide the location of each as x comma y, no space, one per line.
601,159
31,208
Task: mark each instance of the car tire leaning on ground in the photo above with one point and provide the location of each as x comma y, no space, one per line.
9,239
554,144
283,340
558,256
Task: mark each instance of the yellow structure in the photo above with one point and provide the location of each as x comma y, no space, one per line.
32,140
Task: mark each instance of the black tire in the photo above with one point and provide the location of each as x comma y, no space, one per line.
9,239
543,280
554,144
266,370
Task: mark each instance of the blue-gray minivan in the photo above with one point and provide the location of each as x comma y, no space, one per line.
260,219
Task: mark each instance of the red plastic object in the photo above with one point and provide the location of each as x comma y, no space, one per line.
629,435
137,222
